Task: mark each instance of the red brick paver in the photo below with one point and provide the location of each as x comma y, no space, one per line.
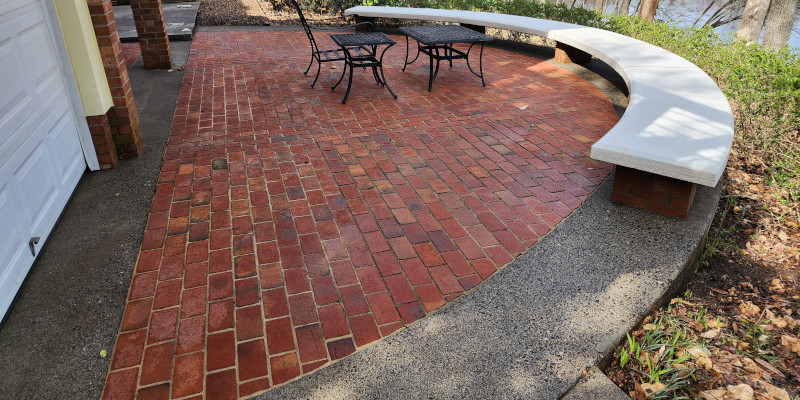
288,230
131,52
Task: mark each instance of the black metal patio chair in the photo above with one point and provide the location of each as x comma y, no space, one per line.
322,56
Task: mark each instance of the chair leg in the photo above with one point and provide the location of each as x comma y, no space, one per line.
342,76
309,64
319,65
376,76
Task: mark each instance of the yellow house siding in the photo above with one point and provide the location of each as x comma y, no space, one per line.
84,55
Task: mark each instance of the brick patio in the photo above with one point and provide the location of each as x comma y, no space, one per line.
288,230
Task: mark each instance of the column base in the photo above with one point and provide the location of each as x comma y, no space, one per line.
104,146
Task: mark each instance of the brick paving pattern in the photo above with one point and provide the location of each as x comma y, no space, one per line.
288,230
130,53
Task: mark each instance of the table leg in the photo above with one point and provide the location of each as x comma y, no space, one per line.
449,53
406,62
349,83
480,63
430,72
374,68
342,76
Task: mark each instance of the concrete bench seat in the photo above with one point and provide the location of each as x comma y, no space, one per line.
676,131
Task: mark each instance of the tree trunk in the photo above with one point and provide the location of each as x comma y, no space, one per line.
753,19
779,23
647,9
625,7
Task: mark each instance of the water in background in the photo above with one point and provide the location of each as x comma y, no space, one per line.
685,12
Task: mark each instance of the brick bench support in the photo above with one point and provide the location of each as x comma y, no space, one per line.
656,193
569,54
476,28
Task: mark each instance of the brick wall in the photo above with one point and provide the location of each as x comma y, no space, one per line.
152,30
656,193
123,121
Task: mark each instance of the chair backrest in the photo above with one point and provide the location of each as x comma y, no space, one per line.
306,28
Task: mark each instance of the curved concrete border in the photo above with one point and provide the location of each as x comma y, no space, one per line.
531,330
678,123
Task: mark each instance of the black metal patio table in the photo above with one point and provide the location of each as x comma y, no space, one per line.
437,42
361,50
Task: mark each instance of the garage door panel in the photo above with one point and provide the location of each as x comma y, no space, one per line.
65,151
12,250
13,96
36,184
8,6
37,116
40,60
41,158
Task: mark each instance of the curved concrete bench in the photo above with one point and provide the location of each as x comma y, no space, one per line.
677,130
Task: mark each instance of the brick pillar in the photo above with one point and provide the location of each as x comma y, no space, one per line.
122,117
152,31
569,54
656,193
100,129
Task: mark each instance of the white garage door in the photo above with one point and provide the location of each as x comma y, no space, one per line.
41,159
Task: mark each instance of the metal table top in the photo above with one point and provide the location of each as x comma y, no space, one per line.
444,34
361,39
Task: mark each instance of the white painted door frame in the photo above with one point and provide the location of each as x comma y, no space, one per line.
51,16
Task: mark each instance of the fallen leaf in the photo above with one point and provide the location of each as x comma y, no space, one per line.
648,327
771,392
659,353
650,388
750,366
742,345
777,286
778,322
701,357
748,308
716,394
713,323
791,343
103,353
740,392
710,334
697,352
770,367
